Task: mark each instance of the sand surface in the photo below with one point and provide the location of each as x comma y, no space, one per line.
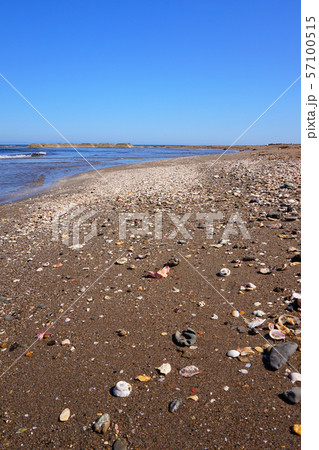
120,323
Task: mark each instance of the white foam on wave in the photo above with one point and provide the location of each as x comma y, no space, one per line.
26,155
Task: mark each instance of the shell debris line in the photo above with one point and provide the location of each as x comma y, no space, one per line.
131,347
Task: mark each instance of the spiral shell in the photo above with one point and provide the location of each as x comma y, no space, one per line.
122,389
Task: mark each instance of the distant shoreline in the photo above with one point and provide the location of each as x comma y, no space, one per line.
128,145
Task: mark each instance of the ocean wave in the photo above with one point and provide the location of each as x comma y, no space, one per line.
26,155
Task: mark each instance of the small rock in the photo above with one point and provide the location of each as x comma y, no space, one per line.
175,404
292,395
120,444
65,415
280,354
103,424
8,318
241,329
186,338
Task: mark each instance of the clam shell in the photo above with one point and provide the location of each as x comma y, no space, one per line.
122,389
246,351
235,313
250,287
121,261
224,272
276,334
256,323
233,353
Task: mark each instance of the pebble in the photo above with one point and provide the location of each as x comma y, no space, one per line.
241,329
186,338
280,354
292,395
103,424
65,415
8,318
175,404
120,444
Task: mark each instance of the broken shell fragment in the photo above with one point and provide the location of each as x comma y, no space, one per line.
246,351
164,369
250,287
189,371
256,323
122,389
294,376
224,272
259,313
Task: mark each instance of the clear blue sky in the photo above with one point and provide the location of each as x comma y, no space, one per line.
141,71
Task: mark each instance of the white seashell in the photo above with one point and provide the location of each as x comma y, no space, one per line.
235,313
276,334
233,353
224,272
259,313
244,371
250,287
214,317
164,368
121,261
122,389
255,323
295,376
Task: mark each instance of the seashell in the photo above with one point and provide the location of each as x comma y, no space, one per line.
193,397
256,323
175,404
288,318
264,270
295,376
214,317
122,389
246,351
244,371
121,261
297,429
250,287
164,369
233,353
66,342
259,313
276,334
65,415
224,272
143,378
235,313
189,371
271,326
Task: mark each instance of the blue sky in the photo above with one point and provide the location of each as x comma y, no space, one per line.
171,71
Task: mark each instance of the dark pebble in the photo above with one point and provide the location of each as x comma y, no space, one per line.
119,444
280,354
292,395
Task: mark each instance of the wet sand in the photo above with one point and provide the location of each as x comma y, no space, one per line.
45,281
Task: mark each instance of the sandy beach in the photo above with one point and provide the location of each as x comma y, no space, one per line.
59,275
